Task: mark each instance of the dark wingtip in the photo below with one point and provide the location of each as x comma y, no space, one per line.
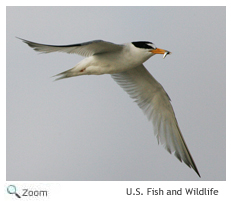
198,173
23,40
19,38
196,170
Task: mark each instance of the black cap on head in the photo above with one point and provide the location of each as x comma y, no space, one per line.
144,44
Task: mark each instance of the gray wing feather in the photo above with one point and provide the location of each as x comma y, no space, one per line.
155,103
84,49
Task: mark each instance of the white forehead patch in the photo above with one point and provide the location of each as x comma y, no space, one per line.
152,45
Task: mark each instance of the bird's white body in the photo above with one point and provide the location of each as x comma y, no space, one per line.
108,63
125,64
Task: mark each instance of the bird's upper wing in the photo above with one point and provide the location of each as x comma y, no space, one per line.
155,103
84,49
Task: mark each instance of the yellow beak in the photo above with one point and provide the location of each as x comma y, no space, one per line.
159,51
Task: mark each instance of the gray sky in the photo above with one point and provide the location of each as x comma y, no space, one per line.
87,127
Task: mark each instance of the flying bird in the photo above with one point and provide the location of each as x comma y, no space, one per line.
125,64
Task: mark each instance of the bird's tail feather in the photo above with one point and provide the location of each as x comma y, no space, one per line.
66,74
75,71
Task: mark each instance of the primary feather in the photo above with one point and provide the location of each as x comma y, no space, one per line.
84,49
155,103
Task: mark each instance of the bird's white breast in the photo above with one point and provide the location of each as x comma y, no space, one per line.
119,61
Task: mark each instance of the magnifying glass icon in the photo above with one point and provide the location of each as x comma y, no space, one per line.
11,189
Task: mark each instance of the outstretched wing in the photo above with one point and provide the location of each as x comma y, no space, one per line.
84,49
155,103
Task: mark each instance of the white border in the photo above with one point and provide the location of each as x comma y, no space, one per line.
112,189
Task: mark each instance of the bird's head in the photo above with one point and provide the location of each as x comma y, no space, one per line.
151,48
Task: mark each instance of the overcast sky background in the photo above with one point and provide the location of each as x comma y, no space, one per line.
87,127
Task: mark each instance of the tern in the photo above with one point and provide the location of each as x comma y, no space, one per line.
125,64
